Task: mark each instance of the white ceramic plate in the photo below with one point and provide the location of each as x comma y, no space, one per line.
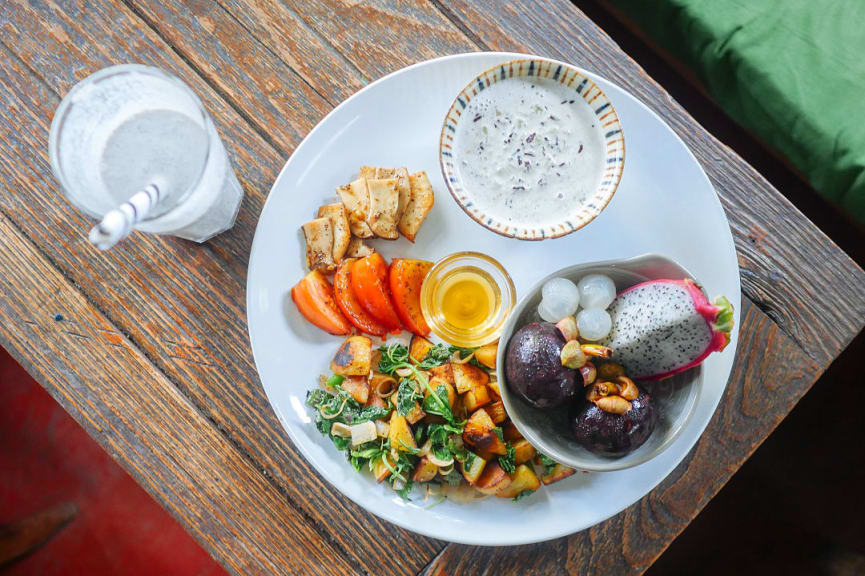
664,204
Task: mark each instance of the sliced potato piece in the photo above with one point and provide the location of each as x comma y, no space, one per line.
415,414
357,249
493,479
375,400
523,451
559,472
524,478
353,357
383,203
475,398
479,431
473,471
358,387
510,432
380,470
339,224
445,372
356,199
421,200
486,355
319,244
467,377
424,471
496,410
419,348
401,437
494,388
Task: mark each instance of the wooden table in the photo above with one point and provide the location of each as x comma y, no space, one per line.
147,346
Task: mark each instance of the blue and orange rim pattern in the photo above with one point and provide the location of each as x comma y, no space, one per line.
614,157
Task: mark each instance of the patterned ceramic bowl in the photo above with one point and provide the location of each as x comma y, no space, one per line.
586,93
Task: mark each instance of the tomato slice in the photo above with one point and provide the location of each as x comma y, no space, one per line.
369,281
350,305
405,279
313,297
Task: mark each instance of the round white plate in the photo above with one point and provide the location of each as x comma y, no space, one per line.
664,204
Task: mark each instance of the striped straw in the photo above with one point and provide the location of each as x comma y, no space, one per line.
118,223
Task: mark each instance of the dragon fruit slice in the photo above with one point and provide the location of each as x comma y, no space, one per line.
663,327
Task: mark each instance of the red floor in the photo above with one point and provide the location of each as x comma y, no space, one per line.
47,460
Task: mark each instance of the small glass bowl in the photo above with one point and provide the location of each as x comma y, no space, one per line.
505,299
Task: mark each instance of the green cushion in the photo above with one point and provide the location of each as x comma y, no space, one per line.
790,71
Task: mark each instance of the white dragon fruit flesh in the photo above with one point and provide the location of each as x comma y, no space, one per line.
663,327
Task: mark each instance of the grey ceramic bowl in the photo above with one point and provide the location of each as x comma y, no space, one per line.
548,430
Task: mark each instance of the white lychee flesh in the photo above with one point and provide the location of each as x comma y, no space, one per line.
594,324
596,291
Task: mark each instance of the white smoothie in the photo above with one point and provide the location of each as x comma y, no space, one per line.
129,126
156,146
528,148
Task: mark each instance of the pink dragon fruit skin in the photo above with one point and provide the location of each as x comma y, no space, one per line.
663,327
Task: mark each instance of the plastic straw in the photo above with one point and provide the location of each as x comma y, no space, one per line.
118,223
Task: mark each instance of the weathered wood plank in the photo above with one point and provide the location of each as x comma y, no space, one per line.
381,36
790,269
771,373
271,96
167,445
174,299
278,26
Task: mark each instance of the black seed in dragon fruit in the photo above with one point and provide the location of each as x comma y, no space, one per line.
663,327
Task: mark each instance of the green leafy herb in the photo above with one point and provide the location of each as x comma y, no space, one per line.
400,470
406,397
523,494
437,403
438,355
507,461
548,463
339,406
393,356
499,433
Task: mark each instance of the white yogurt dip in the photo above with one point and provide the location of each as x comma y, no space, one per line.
527,150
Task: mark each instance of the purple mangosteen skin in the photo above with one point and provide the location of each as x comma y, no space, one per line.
533,366
613,434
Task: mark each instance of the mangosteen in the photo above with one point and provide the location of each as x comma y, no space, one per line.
533,366
610,433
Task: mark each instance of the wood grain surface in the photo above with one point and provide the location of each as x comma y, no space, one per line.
267,72
122,400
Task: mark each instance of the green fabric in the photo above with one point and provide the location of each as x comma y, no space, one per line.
790,71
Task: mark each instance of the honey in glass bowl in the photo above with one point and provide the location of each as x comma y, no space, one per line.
466,298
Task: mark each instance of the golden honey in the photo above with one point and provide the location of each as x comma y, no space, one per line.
466,298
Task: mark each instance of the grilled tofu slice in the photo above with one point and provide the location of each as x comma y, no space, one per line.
403,185
319,244
355,197
420,203
357,248
339,225
383,204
